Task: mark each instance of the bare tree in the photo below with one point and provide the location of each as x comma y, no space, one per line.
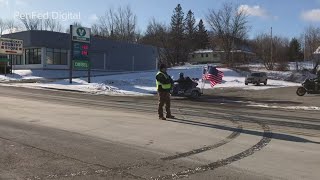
118,25
281,48
311,41
2,26
138,36
76,24
95,29
262,48
157,34
51,24
280,45
31,23
228,23
125,24
106,24
11,26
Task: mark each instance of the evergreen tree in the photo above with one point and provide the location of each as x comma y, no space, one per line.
177,34
295,50
202,36
190,31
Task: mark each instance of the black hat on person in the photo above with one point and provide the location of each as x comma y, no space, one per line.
162,66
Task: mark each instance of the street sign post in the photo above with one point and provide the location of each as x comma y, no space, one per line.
10,47
80,44
4,61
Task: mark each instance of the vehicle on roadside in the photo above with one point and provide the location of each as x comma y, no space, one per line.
256,78
309,87
189,89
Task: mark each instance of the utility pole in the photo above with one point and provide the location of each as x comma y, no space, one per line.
271,44
304,49
71,56
232,51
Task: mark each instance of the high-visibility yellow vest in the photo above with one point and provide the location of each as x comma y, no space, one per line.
164,86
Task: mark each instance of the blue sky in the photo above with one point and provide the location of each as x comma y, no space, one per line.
287,17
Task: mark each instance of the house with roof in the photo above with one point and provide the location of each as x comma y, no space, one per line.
240,54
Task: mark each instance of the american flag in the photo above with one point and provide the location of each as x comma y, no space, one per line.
213,75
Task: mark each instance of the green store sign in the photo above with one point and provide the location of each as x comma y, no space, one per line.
81,64
81,34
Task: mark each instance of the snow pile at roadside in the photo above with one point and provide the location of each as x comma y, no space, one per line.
293,75
293,66
20,75
305,108
300,76
143,83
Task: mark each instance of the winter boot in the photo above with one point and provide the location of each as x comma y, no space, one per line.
170,116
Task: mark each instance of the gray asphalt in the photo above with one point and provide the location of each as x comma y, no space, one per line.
47,134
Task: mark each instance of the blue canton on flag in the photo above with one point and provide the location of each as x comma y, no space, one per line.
213,75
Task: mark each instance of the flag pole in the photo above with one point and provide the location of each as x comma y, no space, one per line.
203,80
203,83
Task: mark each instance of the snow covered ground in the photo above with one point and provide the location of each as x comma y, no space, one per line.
292,65
292,75
305,108
143,83
20,75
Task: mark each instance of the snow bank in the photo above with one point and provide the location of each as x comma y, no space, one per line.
305,108
292,75
20,75
143,83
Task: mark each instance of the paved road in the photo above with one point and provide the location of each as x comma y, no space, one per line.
278,96
63,135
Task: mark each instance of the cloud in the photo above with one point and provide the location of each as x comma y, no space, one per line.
21,3
4,3
256,11
253,10
93,17
311,15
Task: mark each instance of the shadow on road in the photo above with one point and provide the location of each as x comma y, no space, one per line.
278,136
243,100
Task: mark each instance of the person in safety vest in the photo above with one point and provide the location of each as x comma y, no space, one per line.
164,85
317,81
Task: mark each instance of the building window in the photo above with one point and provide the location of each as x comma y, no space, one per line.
49,56
33,56
202,55
192,55
64,57
17,60
57,56
207,55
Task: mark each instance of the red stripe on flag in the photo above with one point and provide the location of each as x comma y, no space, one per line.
214,79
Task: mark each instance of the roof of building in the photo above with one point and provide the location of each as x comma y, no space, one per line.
201,51
50,39
317,51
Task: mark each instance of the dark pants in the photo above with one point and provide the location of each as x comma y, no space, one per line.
164,98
